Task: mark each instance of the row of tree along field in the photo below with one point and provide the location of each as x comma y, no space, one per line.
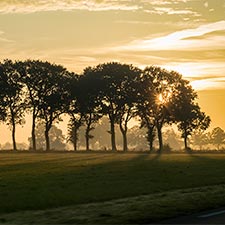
211,141
121,92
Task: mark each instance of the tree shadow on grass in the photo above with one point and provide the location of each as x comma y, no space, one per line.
55,183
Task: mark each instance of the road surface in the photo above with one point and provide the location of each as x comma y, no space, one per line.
209,217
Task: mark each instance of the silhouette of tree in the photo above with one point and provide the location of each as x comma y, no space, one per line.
172,138
119,91
54,97
14,100
74,110
200,138
56,137
32,75
108,80
157,87
187,112
74,125
89,106
102,132
3,94
145,103
127,99
105,75
137,138
217,137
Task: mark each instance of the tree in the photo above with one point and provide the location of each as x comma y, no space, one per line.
74,110
108,82
103,75
15,103
89,106
74,125
172,138
102,132
137,138
54,97
3,94
127,99
33,74
200,138
157,87
217,137
144,106
56,137
187,112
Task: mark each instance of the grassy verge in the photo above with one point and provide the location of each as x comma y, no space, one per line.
134,210
107,188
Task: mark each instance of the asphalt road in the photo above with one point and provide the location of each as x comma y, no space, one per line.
209,217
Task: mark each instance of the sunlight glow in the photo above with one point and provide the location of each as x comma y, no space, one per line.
160,98
208,84
183,39
163,98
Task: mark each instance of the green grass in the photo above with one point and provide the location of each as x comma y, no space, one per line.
107,188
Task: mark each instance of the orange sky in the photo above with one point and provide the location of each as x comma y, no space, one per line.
183,35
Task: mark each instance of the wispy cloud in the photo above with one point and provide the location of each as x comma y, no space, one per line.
31,6
167,2
155,6
170,7
194,70
3,39
208,84
172,11
203,75
195,53
181,40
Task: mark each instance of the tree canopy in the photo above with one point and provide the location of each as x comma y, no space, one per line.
154,96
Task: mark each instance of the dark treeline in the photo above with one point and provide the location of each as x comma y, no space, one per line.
120,92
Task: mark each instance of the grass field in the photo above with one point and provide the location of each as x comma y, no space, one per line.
68,188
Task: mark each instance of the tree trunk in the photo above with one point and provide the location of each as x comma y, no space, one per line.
185,143
113,135
87,139
14,134
150,135
75,145
124,135
47,141
125,147
159,130
75,138
88,130
33,133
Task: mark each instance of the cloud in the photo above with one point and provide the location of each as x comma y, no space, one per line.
180,40
206,35
3,39
168,2
153,6
170,7
172,11
194,70
208,84
206,4
31,6
203,75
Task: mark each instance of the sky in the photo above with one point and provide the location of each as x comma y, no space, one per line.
183,35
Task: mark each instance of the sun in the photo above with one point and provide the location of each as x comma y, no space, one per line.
163,98
160,98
